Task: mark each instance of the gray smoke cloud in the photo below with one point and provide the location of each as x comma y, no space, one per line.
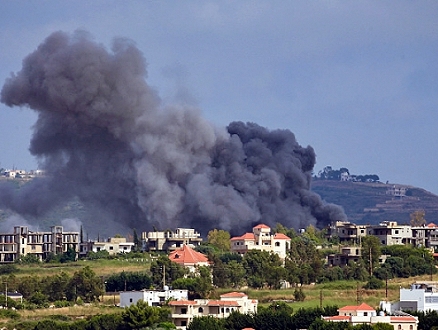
106,138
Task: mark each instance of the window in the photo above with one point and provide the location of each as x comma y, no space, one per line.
130,300
227,310
183,323
183,310
277,243
365,314
200,310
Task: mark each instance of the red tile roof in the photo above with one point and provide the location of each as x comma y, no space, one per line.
361,307
222,303
233,295
262,226
187,256
431,225
246,236
182,302
403,319
281,236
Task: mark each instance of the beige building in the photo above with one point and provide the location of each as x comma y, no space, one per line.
24,241
261,239
169,241
183,311
391,233
114,245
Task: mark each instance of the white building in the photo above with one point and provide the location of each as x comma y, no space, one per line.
153,298
365,314
261,239
183,311
421,296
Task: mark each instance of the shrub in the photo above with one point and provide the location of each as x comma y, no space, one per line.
374,283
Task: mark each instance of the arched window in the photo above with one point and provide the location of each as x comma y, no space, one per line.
227,310
277,243
200,310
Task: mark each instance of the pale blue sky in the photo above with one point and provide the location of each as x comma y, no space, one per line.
356,80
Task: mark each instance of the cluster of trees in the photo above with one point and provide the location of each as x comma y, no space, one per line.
328,173
139,316
82,286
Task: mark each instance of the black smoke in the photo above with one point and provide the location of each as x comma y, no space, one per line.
104,136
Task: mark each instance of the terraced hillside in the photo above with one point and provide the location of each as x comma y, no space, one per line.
371,203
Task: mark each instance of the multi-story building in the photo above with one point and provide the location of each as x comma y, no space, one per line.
261,239
426,236
391,233
24,241
183,311
347,232
346,254
113,245
169,241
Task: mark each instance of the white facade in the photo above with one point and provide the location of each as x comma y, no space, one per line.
419,297
153,298
261,239
183,311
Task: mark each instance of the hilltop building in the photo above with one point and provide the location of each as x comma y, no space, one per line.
261,239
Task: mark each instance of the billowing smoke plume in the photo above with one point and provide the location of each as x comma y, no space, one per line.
104,136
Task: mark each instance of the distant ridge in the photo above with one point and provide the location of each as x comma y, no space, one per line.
372,203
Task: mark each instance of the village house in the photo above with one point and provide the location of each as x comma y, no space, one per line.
189,258
365,314
183,311
261,239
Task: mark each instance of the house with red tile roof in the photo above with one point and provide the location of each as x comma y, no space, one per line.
365,314
262,239
187,257
183,311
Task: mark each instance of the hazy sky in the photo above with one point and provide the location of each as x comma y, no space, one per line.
356,80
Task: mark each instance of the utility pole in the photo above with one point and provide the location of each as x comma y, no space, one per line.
320,299
164,276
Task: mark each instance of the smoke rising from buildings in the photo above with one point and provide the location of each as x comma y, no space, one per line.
106,138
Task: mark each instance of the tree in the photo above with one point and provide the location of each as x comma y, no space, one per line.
371,251
172,270
137,243
261,268
206,322
418,218
140,315
86,285
219,239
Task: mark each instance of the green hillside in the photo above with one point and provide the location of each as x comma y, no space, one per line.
371,203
